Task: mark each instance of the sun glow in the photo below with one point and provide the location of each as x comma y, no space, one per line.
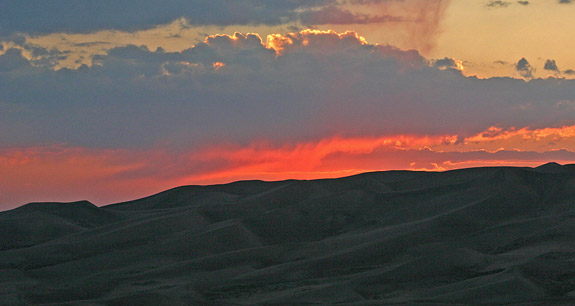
218,65
280,42
459,65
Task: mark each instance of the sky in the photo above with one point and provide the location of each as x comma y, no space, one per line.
112,101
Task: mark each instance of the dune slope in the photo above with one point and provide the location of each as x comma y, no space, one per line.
492,236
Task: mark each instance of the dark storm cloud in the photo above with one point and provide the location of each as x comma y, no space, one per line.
235,89
80,16
87,15
335,15
551,65
565,1
523,2
524,68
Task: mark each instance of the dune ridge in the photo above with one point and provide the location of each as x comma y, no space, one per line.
491,236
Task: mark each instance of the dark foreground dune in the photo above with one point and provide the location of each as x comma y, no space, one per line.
492,236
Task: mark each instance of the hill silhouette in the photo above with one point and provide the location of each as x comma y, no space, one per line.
492,236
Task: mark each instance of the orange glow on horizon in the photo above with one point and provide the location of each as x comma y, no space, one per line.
308,159
105,176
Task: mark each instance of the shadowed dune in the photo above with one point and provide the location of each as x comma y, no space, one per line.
492,236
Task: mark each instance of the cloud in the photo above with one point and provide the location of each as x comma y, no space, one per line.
524,68
551,65
498,3
448,63
503,4
86,16
241,88
177,24
32,54
565,1
335,15
12,59
83,16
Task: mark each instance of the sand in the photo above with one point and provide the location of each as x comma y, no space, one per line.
491,236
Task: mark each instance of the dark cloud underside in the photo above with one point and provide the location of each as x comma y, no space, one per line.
335,15
498,3
87,15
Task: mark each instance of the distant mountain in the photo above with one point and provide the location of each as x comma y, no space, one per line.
491,236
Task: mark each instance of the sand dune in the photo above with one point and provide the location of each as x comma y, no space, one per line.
492,236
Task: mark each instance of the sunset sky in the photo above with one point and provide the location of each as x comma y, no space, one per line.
111,101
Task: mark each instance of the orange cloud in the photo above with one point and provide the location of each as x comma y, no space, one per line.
305,160
527,139
327,40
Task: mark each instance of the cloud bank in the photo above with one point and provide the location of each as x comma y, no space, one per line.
82,16
86,16
309,84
